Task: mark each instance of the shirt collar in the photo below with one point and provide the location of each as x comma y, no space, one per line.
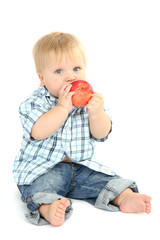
48,95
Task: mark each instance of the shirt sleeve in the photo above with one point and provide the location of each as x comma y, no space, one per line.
107,111
30,111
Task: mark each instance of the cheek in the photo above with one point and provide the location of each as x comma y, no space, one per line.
56,87
82,76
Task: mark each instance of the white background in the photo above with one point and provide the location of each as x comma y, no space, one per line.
122,42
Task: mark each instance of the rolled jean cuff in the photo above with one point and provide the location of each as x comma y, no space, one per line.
111,190
38,199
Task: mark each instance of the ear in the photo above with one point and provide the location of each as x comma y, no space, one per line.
41,79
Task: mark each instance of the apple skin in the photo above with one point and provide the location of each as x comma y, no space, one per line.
83,93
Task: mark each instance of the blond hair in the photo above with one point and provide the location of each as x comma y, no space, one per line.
59,42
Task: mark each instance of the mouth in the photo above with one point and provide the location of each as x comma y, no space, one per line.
71,81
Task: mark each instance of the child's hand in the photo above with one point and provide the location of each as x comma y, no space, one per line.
65,97
95,105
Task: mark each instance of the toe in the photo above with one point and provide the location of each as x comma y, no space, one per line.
146,198
148,208
59,215
64,202
60,210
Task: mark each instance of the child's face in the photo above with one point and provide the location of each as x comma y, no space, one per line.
67,70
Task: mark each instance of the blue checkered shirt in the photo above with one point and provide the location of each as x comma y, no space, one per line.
72,139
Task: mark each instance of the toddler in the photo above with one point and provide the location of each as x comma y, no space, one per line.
56,161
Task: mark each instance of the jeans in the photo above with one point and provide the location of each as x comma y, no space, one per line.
72,181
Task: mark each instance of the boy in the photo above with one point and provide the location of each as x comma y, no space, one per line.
56,161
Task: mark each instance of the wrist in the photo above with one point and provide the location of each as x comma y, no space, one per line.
96,114
63,109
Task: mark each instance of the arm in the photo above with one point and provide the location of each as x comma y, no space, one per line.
50,121
99,122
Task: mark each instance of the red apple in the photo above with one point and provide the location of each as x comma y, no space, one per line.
83,93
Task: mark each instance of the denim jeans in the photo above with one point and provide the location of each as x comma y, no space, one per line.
72,181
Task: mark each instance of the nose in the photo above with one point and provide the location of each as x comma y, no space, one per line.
70,77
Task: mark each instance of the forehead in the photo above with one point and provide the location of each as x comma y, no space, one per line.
74,56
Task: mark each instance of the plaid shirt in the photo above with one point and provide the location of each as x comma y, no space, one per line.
73,139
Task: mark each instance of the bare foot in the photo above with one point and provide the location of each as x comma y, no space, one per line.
135,203
54,213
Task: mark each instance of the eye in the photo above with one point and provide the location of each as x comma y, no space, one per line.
59,71
76,69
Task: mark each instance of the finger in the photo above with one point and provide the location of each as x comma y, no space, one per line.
70,94
65,89
98,95
68,87
95,100
62,89
90,105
